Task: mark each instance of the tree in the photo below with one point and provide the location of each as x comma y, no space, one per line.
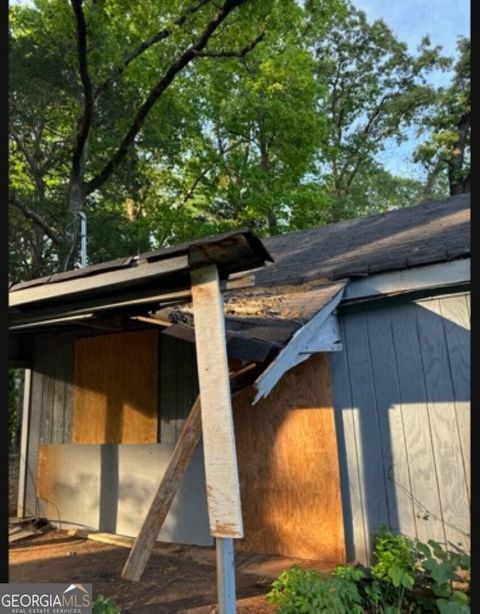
376,89
446,151
261,127
100,87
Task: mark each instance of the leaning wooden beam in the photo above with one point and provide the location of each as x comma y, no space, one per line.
182,454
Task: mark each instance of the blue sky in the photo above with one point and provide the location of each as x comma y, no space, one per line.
410,20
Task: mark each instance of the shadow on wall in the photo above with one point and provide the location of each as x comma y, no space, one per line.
402,392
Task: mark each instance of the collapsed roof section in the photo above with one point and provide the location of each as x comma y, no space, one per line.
266,310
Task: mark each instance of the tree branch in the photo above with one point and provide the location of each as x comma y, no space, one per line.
86,119
38,219
240,53
206,170
146,44
173,70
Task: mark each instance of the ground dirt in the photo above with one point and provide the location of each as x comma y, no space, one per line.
177,578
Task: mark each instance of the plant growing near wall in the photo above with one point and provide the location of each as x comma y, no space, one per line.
408,576
447,574
308,591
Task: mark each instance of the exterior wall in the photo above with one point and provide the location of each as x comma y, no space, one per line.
401,393
109,487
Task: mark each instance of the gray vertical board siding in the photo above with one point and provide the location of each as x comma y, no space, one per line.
51,401
401,394
35,425
394,449
60,349
456,320
424,489
371,461
46,366
444,426
351,480
178,385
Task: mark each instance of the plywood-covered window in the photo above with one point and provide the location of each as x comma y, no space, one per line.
116,388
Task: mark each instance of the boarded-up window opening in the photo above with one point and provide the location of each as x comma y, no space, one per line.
116,388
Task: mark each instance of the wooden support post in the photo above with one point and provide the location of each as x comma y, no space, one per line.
221,471
182,454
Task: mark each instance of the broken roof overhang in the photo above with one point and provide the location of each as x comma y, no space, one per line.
261,322
156,278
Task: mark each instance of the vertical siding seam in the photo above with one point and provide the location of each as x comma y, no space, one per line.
407,456
366,541
428,404
462,455
379,431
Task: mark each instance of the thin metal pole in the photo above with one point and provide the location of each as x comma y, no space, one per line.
225,576
83,238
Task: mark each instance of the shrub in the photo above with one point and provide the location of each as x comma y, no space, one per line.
306,591
408,576
104,605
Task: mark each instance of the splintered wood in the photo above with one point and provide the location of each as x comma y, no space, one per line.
289,472
116,388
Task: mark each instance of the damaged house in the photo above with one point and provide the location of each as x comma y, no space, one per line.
349,372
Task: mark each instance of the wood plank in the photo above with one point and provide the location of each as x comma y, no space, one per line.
446,445
456,323
413,398
371,462
223,490
390,418
165,495
116,389
351,478
289,471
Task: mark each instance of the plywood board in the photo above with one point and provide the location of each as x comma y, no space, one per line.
288,463
115,394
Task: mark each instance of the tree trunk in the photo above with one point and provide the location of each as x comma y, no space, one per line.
458,182
76,200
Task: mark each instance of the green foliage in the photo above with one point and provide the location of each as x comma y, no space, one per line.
104,605
407,576
286,137
446,149
442,569
376,90
308,591
395,560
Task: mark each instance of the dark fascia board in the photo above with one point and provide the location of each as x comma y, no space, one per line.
232,252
